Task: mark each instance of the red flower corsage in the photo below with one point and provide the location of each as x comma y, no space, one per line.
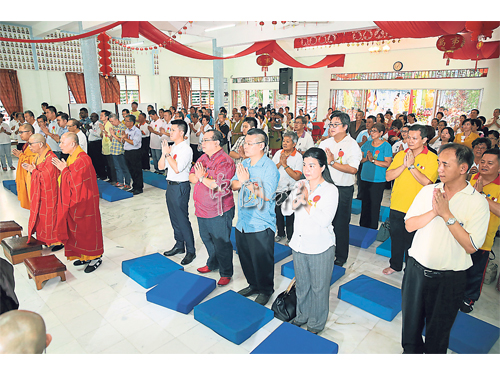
175,156
316,198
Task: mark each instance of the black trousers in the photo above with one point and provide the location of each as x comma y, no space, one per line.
475,275
196,153
110,168
281,221
177,196
400,239
361,188
341,222
133,160
432,301
145,153
373,192
95,153
256,252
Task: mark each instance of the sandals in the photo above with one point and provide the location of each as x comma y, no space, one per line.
91,268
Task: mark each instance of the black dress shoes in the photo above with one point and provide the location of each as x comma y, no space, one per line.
338,263
175,250
248,291
57,247
262,299
188,258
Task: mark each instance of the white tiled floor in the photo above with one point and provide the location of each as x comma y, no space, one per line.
107,312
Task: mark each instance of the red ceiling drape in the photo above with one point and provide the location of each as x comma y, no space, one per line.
421,29
10,91
469,51
174,91
110,89
185,89
76,83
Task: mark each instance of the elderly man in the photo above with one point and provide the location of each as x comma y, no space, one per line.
117,152
106,127
344,156
256,180
305,141
214,204
450,220
237,151
79,219
44,193
74,127
23,332
236,131
95,146
179,158
132,145
494,122
142,125
26,156
289,163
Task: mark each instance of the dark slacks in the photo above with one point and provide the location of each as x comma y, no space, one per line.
475,275
400,239
110,168
215,233
341,222
361,188
95,153
196,153
281,222
177,196
373,192
133,159
145,153
256,252
433,301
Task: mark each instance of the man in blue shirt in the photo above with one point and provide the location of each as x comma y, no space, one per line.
256,179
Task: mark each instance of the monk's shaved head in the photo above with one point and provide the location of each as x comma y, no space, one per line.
69,143
22,332
72,137
27,127
37,138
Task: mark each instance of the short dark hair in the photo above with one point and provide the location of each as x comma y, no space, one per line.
444,122
260,132
301,118
180,114
84,110
495,133
106,112
474,121
151,112
169,112
480,140
217,136
482,118
243,107
52,109
135,103
63,116
194,115
75,122
29,113
343,117
131,118
493,151
475,109
412,115
251,121
435,118
419,128
142,114
45,104
372,117
125,110
442,114
206,117
181,124
463,153
397,123
42,117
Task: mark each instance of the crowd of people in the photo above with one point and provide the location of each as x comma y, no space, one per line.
292,187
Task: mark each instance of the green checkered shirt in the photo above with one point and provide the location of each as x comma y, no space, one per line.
116,147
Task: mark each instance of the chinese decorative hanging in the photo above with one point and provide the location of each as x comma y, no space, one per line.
265,60
449,44
104,54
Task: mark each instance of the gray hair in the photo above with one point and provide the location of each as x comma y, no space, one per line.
294,137
113,116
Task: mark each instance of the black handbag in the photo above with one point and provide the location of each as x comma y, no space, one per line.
284,306
384,231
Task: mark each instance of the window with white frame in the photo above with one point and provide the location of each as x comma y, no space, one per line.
306,98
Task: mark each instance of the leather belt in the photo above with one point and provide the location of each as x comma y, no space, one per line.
430,273
176,182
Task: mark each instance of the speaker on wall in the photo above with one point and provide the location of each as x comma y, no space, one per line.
286,81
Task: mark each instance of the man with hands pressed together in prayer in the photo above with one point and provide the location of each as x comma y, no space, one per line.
214,204
179,157
450,220
256,179
132,141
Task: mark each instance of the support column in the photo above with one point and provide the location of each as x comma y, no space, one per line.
218,78
91,73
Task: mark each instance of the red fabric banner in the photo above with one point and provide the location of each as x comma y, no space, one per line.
359,36
421,29
489,50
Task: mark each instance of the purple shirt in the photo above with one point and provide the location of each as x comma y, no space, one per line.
211,203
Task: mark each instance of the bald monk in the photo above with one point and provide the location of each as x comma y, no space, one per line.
79,219
43,194
23,332
23,178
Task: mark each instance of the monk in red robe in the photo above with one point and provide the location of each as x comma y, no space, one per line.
79,219
26,156
44,193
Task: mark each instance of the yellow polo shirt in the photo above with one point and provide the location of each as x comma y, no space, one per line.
136,114
106,141
467,141
492,191
406,187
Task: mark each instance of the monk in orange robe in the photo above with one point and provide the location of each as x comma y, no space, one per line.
79,219
44,193
26,156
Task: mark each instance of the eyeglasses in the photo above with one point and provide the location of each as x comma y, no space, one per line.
207,140
334,125
251,144
24,131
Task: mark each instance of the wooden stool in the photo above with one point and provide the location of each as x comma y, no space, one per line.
16,249
9,229
44,268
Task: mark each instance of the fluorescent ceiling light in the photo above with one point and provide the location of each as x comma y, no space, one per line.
135,44
220,27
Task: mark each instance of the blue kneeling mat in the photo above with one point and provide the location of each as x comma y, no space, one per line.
10,185
361,236
356,207
287,270
289,339
181,291
470,335
377,298
112,193
384,213
384,248
150,269
154,179
233,316
280,251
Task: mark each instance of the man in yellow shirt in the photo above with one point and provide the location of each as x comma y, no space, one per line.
467,136
106,146
411,170
487,182
135,111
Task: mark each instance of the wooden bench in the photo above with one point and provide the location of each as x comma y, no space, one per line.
16,249
9,229
44,268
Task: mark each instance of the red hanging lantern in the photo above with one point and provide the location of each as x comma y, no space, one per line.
274,23
174,36
265,60
283,23
104,54
185,27
180,32
449,44
261,23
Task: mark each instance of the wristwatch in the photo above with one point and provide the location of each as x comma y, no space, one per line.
411,167
201,178
332,163
451,221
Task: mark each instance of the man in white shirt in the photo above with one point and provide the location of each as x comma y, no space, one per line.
145,134
194,137
494,122
305,141
179,158
155,127
29,118
344,156
179,115
5,151
53,130
251,113
451,222
74,127
167,119
95,146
